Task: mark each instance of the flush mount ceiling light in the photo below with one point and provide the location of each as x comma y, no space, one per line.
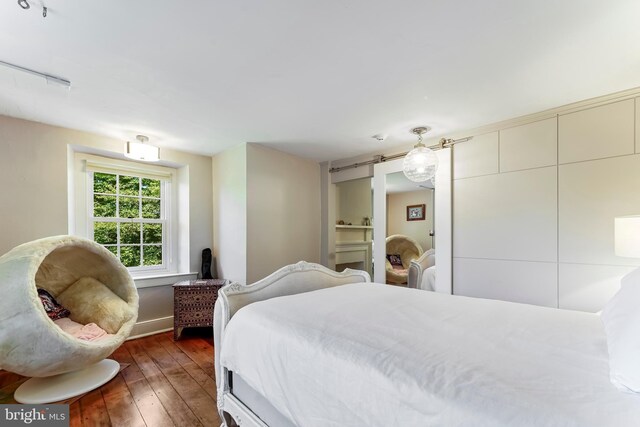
421,163
141,150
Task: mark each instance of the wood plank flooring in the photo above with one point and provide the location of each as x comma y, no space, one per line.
167,383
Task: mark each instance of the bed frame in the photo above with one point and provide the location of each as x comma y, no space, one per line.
289,280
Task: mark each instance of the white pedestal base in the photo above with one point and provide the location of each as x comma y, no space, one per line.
64,386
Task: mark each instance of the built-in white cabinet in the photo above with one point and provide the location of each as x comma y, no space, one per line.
534,207
597,133
476,157
528,146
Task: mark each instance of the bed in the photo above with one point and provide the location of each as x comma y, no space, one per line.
310,347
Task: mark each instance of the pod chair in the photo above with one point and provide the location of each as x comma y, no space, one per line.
93,285
405,248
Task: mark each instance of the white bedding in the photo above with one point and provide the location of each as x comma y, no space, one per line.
375,355
428,282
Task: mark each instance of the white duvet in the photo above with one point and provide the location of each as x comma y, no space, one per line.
374,355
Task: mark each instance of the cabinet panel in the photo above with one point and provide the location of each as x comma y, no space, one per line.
529,146
598,132
589,287
476,157
507,216
516,281
591,195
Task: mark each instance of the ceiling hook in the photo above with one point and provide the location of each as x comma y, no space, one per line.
24,4
44,11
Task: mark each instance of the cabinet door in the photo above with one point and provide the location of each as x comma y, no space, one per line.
529,146
597,133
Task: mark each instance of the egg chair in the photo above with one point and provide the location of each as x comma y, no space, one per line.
406,249
93,285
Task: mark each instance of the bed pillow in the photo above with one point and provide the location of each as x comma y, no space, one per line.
621,319
54,310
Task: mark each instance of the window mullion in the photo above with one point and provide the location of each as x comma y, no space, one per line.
140,220
118,214
91,208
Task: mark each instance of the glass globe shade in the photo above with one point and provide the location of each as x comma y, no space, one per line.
420,164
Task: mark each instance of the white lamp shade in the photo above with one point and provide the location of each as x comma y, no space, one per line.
627,232
144,152
420,164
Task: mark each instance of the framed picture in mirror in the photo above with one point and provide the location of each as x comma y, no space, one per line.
415,212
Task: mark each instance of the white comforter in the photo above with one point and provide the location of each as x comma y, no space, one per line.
374,355
428,282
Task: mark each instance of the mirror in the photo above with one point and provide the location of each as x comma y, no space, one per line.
354,231
410,209
402,197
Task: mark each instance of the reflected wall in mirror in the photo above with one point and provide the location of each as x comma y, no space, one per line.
402,193
409,228
354,231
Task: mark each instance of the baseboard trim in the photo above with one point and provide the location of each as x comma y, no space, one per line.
151,327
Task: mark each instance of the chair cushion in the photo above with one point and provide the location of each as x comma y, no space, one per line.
90,301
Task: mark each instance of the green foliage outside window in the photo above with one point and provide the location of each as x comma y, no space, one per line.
130,256
134,200
105,233
151,208
150,187
104,206
152,233
152,255
104,183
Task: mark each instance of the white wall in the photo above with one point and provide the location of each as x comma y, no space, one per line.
230,213
33,169
534,205
266,211
397,216
283,210
327,218
354,201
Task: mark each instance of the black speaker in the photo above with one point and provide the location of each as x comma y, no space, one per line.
206,264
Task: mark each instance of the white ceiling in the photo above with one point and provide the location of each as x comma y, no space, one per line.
316,79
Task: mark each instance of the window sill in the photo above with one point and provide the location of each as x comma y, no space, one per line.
162,279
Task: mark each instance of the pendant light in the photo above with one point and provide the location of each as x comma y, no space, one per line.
421,163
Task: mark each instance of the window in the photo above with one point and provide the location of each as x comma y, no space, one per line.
129,208
129,218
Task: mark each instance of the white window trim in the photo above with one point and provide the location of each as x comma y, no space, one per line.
80,222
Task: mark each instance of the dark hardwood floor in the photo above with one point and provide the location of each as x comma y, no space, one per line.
166,383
